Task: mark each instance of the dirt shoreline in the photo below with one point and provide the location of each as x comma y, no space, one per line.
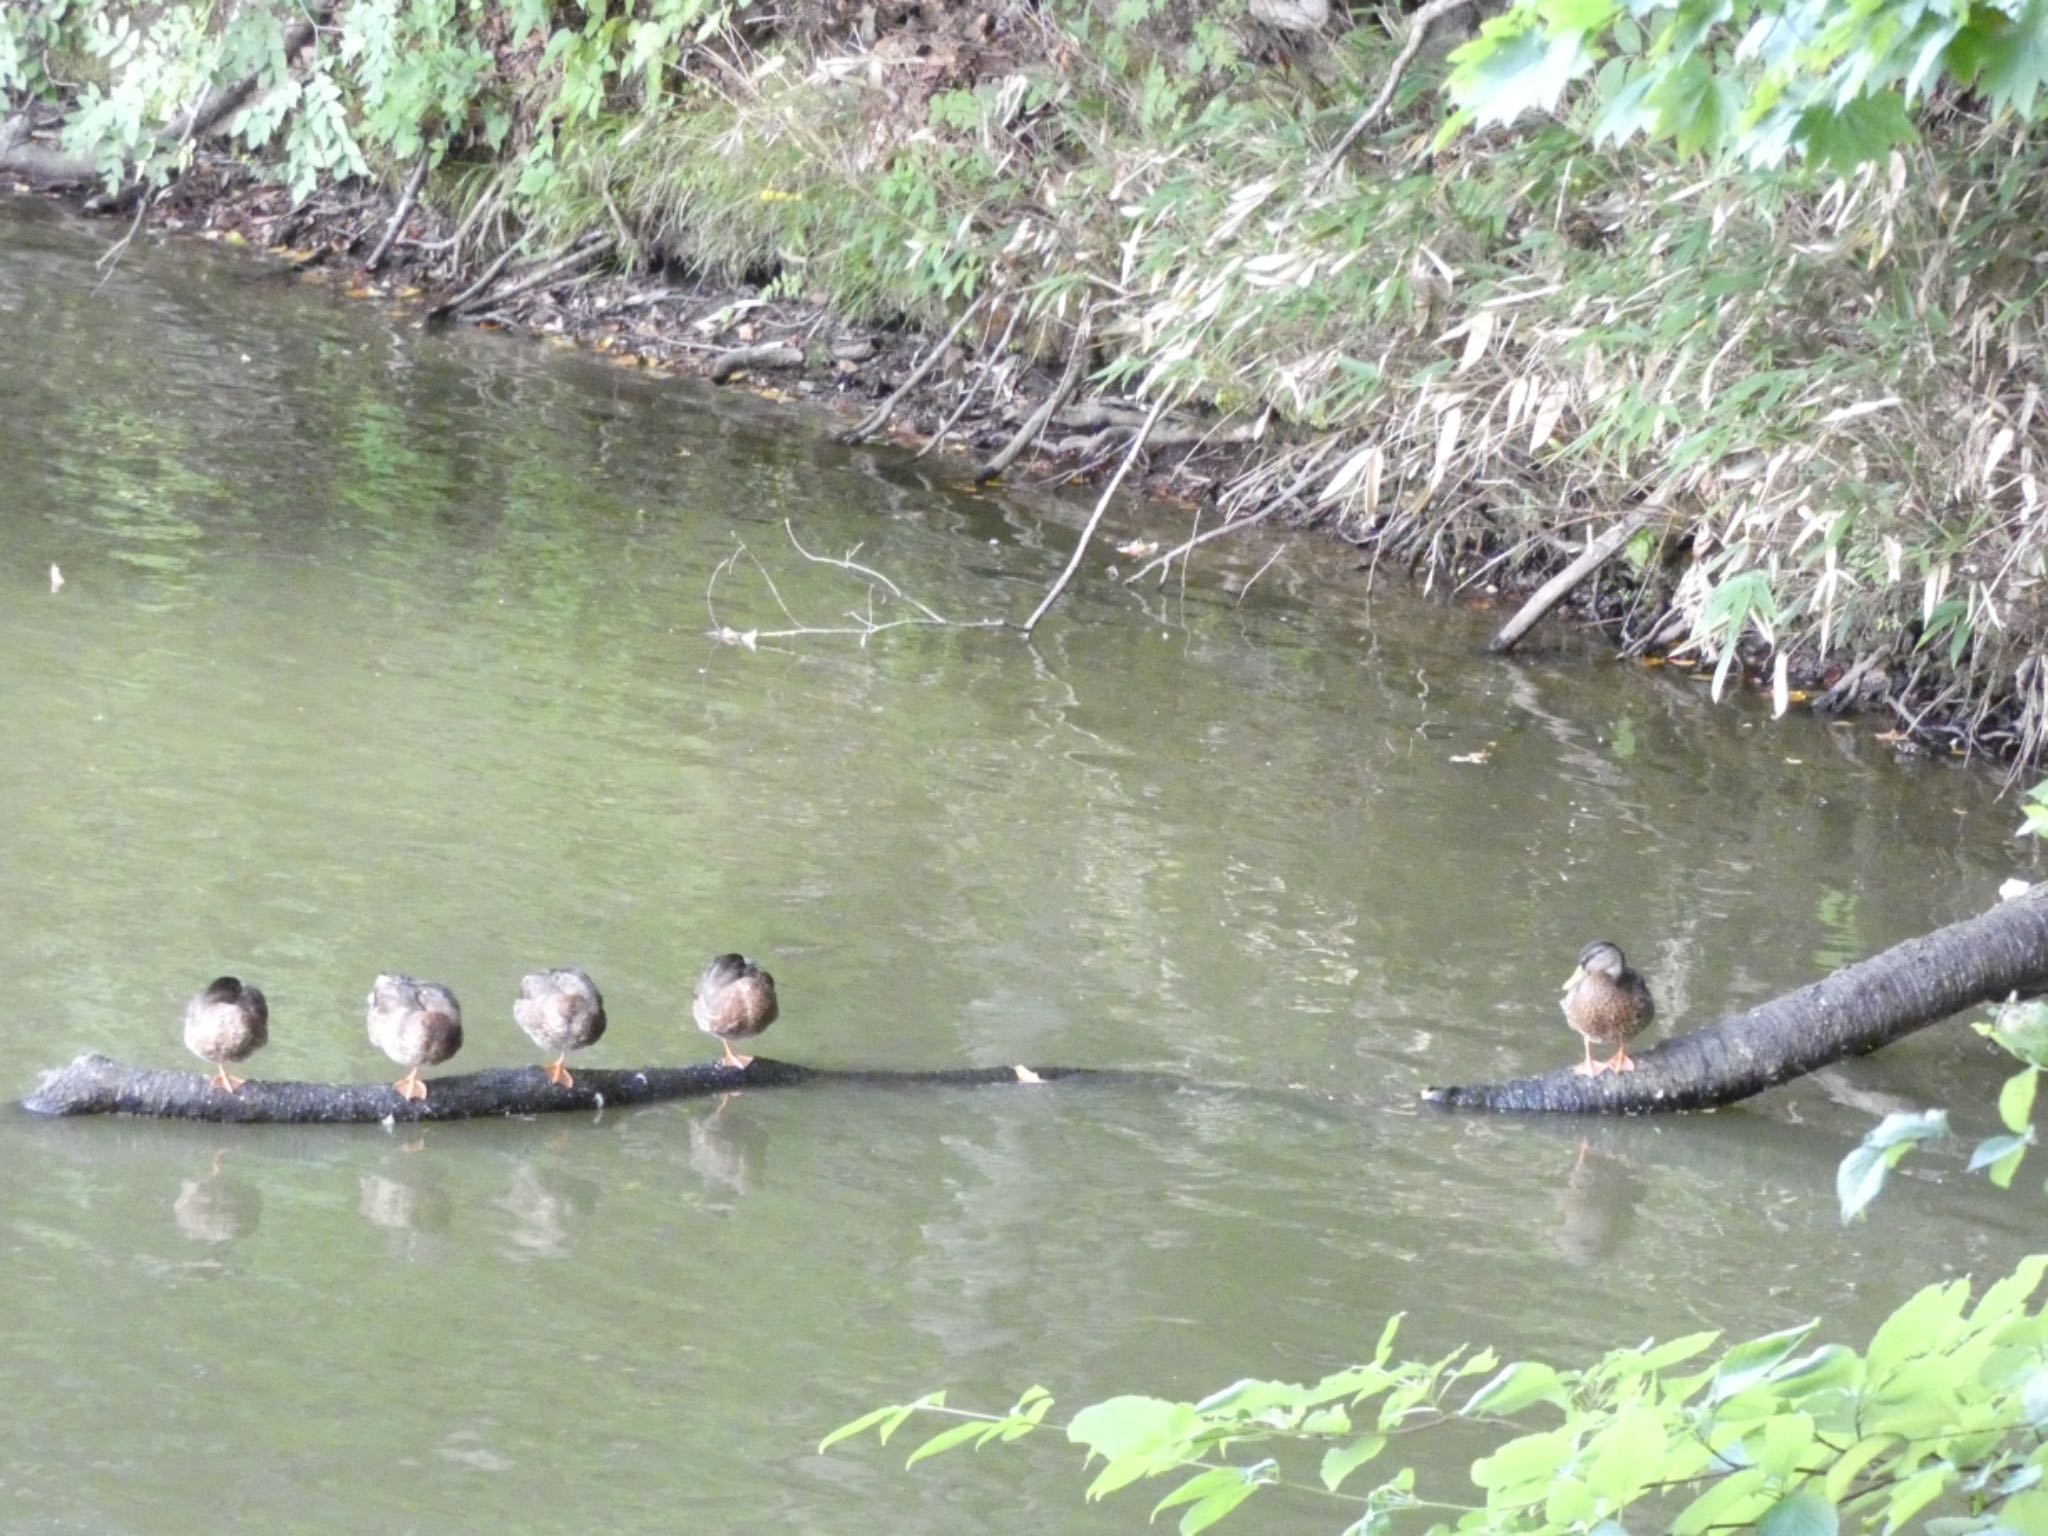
944,397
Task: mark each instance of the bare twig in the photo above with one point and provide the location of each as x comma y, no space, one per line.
1186,545
1028,433
1554,591
490,275
1101,506
1419,24
863,626
984,371
406,199
1278,551
592,247
874,419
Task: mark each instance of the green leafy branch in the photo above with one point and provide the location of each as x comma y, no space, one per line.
1947,1400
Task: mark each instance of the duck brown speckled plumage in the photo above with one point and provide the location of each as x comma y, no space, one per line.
227,1022
1608,1004
735,1001
561,1011
417,1024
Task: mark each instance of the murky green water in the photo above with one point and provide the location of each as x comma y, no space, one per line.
387,650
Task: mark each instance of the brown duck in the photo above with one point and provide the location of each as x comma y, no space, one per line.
1609,1005
227,1022
417,1024
561,1011
735,1001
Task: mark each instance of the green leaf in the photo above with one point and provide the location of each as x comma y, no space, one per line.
1515,1388
1839,139
1513,67
1916,1493
1918,1326
2022,1028
1136,1436
1849,1466
1734,1500
1784,1439
1199,1487
1862,1173
1800,1514
853,1427
1524,1466
1340,1461
1117,1426
1747,1364
1622,1459
1214,1508
890,1419
2016,1099
2002,1155
946,1439
1664,1356
2005,57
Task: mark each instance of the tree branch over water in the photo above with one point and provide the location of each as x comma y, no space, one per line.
1853,1012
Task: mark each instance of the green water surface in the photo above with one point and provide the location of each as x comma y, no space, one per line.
382,649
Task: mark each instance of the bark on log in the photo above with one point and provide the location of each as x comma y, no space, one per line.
99,1085
1851,1013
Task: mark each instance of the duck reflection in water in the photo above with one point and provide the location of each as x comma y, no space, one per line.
1596,1207
727,1150
546,1209
404,1204
217,1208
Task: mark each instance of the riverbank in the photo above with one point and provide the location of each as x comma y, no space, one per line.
1816,395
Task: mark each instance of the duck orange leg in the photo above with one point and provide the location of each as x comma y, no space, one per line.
410,1086
731,1058
558,1074
1589,1067
226,1080
1621,1061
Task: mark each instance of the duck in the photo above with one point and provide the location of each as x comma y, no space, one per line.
415,1023
227,1022
1608,1004
735,1001
561,1011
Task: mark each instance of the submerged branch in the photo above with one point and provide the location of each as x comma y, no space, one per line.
1856,1010
864,625
98,1085
1101,506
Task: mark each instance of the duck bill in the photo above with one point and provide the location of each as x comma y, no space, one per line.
1578,975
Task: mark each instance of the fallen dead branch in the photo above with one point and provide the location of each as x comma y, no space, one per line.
1419,23
1036,422
861,624
1095,517
96,1085
1555,590
872,422
406,199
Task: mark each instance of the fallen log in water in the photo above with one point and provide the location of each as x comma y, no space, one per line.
99,1085
1982,959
